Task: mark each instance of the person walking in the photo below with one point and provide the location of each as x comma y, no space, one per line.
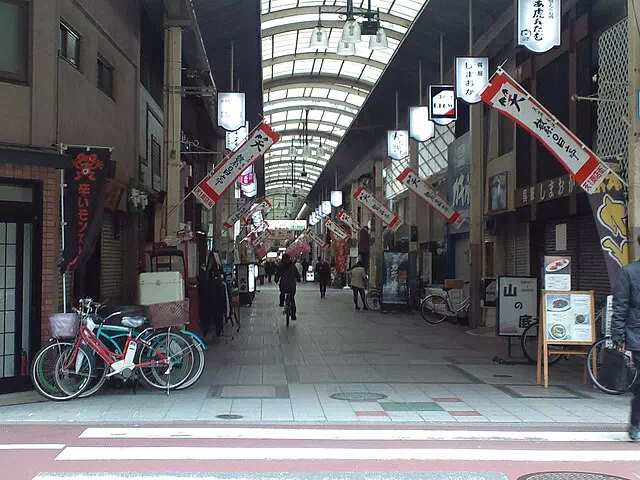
625,328
270,268
287,276
358,281
305,269
324,276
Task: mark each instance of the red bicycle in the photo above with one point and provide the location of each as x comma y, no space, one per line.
164,359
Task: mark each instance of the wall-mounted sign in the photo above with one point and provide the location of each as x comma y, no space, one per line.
539,24
235,138
367,198
231,110
336,198
508,97
349,221
498,192
459,179
211,187
517,305
489,291
543,191
288,224
420,127
398,144
412,180
442,104
335,229
556,272
472,75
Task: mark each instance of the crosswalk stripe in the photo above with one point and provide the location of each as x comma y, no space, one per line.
32,446
335,434
464,454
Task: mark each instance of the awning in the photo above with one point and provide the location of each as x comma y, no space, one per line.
34,156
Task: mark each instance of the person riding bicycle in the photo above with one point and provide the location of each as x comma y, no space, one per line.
287,276
625,328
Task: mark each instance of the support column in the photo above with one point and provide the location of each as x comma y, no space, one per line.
377,247
172,128
476,211
412,219
633,8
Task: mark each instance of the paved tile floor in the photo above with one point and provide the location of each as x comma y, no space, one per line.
422,373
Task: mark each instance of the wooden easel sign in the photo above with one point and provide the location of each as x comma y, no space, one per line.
567,327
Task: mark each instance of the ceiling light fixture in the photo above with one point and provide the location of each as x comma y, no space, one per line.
319,36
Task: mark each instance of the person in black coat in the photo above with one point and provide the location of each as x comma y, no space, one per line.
287,277
323,270
625,328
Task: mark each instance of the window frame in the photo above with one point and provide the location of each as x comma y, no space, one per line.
108,66
12,77
63,44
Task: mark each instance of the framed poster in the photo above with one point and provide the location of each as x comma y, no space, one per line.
395,278
517,305
556,272
489,291
498,193
243,278
568,318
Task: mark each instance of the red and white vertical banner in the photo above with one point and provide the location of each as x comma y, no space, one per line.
314,237
262,205
349,221
240,213
335,229
367,198
417,185
211,188
508,97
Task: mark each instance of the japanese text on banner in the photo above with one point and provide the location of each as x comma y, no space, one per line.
349,221
335,229
367,198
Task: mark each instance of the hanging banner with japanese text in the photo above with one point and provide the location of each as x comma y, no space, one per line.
367,198
539,24
472,75
507,96
240,213
211,188
333,227
262,206
349,221
412,180
314,237
84,199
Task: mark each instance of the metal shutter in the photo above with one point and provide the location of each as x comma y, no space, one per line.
517,249
111,259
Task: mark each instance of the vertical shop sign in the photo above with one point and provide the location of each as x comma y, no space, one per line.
508,97
231,110
84,199
442,104
234,139
420,127
517,305
314,237
333,227
459,179
211,188
398,144
367,198
472,75
539,24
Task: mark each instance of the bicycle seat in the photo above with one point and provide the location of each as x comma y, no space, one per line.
115,314
133,322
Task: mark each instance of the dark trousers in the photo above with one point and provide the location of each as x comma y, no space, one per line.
269,278
293,301
635,403
357,291
323,287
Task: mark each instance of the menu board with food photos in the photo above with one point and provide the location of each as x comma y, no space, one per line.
568,318
557,273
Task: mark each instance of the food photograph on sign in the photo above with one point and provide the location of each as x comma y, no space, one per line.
568,317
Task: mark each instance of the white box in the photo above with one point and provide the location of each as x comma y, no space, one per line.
160,287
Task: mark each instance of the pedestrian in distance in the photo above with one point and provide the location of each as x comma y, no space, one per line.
305,269
323,270
358,281
287,277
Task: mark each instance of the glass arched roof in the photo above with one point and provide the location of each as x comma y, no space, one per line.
333,88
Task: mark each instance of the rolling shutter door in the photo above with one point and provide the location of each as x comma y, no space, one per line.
517,251
111,259
592,265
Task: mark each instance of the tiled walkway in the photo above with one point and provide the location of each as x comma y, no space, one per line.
421,373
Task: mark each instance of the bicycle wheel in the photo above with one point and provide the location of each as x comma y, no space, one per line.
74,379
198,362
98,377
165,346
594,364
287,309
529,343
372,300
43,370
434,309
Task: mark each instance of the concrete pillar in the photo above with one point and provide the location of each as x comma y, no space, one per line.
377,247
633,8
173,127
476,211
412,220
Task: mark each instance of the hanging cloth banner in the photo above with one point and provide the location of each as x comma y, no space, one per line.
84,198
240,213
412,180
314,237
507,96
339,233
211,187
367,198
349,221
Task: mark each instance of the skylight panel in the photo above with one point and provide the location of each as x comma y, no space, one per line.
282,69
294,92
338,95
303,67
371,74
331,67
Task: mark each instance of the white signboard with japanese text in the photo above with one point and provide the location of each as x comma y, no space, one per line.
262,205
335,229
569,318
288,224
412,180
349,221
539,24
442,104
367,198
420,127
314,237
234,139
472,75
517,305
508,97
238,214
231,110
336,198
211,187
398,144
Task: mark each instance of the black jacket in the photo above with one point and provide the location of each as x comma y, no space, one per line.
287,275
323,269
626,306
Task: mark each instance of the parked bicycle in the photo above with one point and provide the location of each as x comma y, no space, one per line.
594,366
436,308
373,299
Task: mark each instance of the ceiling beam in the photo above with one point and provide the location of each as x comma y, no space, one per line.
325,109
335,24
315,133
310,101
323,56
292,12
319,81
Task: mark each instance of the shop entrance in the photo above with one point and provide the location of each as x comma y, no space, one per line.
20,244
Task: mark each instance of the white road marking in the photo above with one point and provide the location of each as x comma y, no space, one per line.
335,434
465,454
32,446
